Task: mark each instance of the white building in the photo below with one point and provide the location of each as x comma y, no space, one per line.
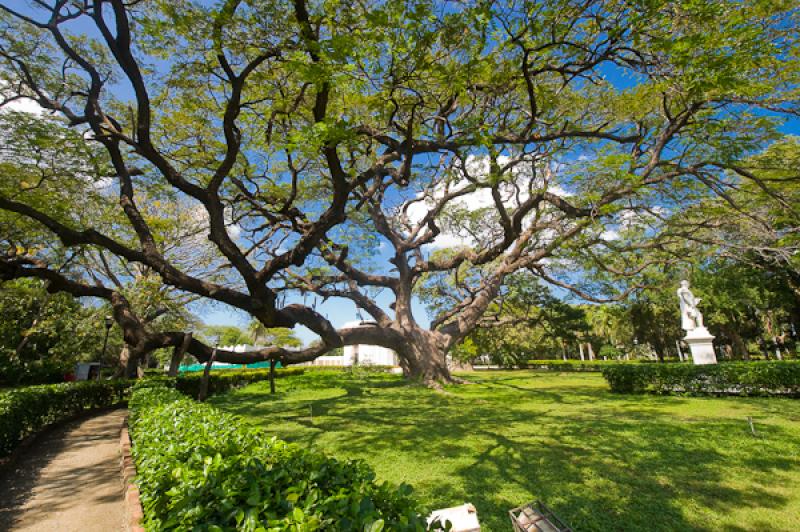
360,354
353,355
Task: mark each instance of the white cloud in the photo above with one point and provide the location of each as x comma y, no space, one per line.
234,230
25,105
609,234
102,183
512,194
22,105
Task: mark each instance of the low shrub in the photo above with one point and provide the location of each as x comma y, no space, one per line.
576,365
224,380
610,351
25,411
31,372
219,381
740,378
199,468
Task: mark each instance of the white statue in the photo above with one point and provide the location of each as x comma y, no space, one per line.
691,317
699,339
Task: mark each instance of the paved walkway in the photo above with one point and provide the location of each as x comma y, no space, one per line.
67,481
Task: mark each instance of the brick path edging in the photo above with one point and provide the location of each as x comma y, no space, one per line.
134,512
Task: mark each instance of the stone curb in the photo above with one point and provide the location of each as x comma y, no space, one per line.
133,505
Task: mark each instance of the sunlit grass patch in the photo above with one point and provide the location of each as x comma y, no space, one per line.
602,461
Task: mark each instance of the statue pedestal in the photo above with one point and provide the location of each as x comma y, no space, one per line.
701,344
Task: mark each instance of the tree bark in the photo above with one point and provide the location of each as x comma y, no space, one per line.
132,363
425,358
201,396
272,376
737,343
122,362
177,355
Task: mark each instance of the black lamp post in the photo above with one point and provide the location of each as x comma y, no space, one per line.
108,322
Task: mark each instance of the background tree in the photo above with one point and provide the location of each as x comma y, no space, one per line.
524,322
611,329
52,168
280,336
43,335
563,155
224,335
737,246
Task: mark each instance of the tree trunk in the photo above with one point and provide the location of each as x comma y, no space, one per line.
122,362
764,348
272,376
177,355
422,354
737,343
134,355
206,375
424,358
429,368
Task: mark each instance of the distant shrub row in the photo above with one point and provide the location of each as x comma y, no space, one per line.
576,365
199,468
741,378
25,411
224,380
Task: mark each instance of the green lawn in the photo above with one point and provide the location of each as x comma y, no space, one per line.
601,461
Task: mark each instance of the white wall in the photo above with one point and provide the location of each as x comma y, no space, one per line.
369,355
362,354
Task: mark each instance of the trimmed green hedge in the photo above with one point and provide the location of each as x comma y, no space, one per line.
576,365
220,381
736,378
25,411
199,468
223,380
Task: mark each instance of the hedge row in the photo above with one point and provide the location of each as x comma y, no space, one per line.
223,380
25,411
576,365
739,378
199,468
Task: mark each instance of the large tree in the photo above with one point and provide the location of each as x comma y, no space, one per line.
525,130
542,157
244,119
